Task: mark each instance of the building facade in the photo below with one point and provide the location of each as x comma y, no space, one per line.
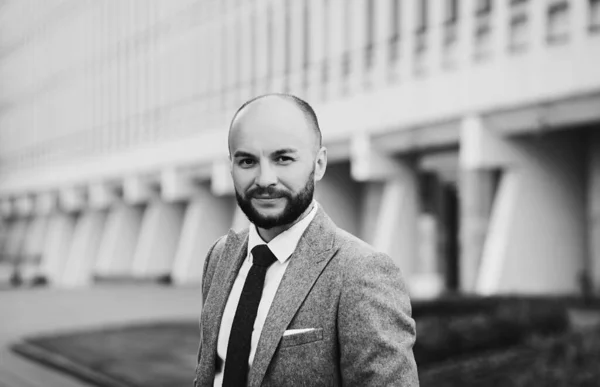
463,135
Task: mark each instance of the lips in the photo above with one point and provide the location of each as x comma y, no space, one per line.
267,197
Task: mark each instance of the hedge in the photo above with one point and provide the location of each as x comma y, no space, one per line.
570,360
506,324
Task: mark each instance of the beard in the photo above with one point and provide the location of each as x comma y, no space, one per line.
295,204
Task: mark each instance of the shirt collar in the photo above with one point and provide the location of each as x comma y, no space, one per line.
284,244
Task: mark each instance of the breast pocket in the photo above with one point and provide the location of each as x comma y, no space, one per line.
300,338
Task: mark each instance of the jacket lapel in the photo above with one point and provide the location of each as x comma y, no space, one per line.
230,261
314,250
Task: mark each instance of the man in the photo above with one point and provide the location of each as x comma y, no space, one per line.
294,300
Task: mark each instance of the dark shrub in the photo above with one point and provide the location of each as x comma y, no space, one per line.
507,323
569,360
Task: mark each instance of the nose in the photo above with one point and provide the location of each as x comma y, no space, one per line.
266,176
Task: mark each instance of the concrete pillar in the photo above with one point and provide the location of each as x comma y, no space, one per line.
15,238
207,217
57,245
593,217
102,195
137,190
536,237
159,235
118,241
73,199
397,217
6,208
33,248
176,185
476,193
390,208
24,206
84,249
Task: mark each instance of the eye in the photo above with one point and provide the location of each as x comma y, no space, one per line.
284,159
246,163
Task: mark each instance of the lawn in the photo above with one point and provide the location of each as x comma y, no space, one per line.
160,354
495,342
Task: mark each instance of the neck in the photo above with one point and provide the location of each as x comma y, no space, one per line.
268,235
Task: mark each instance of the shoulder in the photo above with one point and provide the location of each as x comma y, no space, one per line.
350,247
219,245
358,258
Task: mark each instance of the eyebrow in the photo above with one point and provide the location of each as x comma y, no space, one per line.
284,151
242,154
279,152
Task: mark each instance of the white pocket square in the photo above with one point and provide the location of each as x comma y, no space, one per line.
291,332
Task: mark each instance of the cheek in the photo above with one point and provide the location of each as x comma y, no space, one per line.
242,178
295,181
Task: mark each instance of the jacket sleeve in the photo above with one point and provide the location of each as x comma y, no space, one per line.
209,266
207,273
375,328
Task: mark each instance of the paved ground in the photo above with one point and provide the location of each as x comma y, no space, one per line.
43,310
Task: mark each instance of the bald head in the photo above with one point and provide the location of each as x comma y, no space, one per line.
282,108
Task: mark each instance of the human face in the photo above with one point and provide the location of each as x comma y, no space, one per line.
273,163
258,198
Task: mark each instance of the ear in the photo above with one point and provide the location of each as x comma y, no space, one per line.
320,163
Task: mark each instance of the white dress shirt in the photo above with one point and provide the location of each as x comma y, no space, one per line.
282,246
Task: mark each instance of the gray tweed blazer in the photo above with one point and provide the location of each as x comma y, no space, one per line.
353,297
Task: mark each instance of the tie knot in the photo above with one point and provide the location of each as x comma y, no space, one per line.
262,256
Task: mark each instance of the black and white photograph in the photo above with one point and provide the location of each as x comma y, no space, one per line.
280,193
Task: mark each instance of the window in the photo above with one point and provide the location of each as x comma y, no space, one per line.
253,58
370,27
270,51
451,12
287,37
421,27
306,42
519,25
450,22
594,16
422,15
394,41
306,34
558,22
450,27
347,43
483,31
326,50
483,7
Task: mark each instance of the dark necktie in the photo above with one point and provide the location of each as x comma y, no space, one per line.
238,348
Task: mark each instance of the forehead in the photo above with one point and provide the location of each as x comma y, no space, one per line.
269,125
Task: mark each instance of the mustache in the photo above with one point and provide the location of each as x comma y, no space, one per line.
265,192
